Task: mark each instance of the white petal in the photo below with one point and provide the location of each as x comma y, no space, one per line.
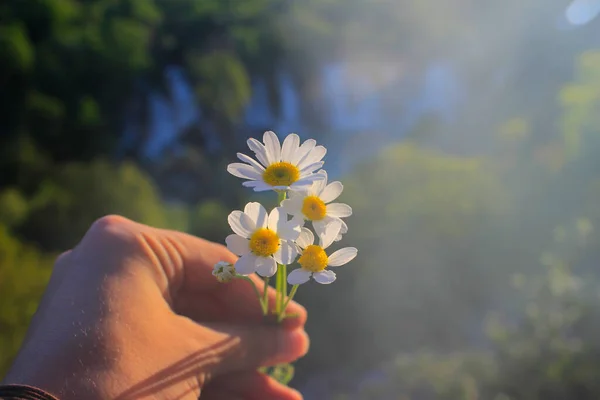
305,183
244,171
305,239
266,266
292,206
310,168
319,226
259,186
257,214
259,150
290,147
331,192
330,232
237,245
241,224
251,161
274,217
342,256
273,147
246,265
319,185
298,276
303,151
325,277
286,254
343,231
339,210
315,155
290,230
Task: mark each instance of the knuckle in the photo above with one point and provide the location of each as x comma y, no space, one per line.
110,229
108,222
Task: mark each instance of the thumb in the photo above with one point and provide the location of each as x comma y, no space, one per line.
246,347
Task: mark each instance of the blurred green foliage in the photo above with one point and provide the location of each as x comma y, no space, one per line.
547,350
445,236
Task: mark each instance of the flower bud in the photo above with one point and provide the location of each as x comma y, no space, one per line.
224,271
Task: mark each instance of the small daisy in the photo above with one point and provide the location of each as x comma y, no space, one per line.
223,271
287,167
314,204
313,259
262,240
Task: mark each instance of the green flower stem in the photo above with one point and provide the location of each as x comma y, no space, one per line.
263,306
265,299
292,294
281,277
278,298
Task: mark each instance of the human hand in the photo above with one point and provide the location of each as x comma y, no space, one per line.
133,312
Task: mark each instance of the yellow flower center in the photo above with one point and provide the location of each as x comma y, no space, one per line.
264,242
313,259
314,208
281,174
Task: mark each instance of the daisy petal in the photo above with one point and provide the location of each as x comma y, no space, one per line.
310,168
259,150
305,183
290,230
342,256
315,155
274,216
292,206
246,265
257,214
237,245
273,147
266,266
298,276
244,171
303,151
251,161
330,232
324,277
320,184
339,210
290,147
343,231
331,192
305,239
286,254
241,224
258,186
320,226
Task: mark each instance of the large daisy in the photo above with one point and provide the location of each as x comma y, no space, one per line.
262,240
287,167
314,260
315,204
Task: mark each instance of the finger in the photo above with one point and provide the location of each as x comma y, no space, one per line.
248,386
240,348
181,265
59,271
235,301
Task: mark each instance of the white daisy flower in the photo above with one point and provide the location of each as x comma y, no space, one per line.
313,259
315,204
262,240
223,271
287,167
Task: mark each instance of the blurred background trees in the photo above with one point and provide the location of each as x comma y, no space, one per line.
464,133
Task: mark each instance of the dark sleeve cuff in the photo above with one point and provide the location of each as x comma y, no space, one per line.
23,392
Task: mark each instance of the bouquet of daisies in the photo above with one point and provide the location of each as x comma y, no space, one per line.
268,242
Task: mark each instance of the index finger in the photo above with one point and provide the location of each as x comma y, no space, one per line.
202,298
